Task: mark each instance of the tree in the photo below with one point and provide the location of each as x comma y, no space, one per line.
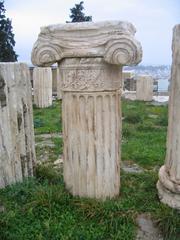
7,53
77,14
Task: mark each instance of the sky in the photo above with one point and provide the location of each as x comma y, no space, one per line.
153,19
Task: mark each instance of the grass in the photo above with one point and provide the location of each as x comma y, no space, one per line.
49,152
48,120
41,208
144,133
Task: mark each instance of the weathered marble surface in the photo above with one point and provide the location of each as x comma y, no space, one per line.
144,88
89,74
112,40
42,84
91,120
169,174
55,76
129,82
90,58
59,90
17,151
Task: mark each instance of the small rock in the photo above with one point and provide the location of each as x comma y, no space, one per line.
131,95
49,135
47,143
44,157
131,167
58,161
147,229
154,103
153,116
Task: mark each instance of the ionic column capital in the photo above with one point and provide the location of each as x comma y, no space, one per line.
112,40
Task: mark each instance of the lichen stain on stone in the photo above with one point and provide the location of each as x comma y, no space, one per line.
23,163
2,92
19,121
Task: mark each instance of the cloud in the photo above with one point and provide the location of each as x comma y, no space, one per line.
153,19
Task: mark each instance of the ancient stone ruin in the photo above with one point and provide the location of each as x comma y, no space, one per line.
90,58
59,91
17,151
169,175
42,85
129,81
144,88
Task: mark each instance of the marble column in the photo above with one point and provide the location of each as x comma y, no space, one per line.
17,149
144,88
59,90
90,57
91,126
169,174
42,85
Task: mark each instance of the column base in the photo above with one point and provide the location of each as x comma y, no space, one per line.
168,191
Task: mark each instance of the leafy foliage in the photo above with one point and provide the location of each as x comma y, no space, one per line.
77,14
7,53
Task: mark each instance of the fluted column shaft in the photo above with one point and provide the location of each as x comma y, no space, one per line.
42,83
91,126
17,148
169,174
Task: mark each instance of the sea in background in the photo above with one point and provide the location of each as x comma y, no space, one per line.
160,73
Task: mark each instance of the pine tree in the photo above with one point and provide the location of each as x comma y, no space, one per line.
77,14
7,53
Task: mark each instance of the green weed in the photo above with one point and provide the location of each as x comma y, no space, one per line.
41,208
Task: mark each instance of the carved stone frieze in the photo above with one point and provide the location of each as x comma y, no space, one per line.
76,80
89,74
